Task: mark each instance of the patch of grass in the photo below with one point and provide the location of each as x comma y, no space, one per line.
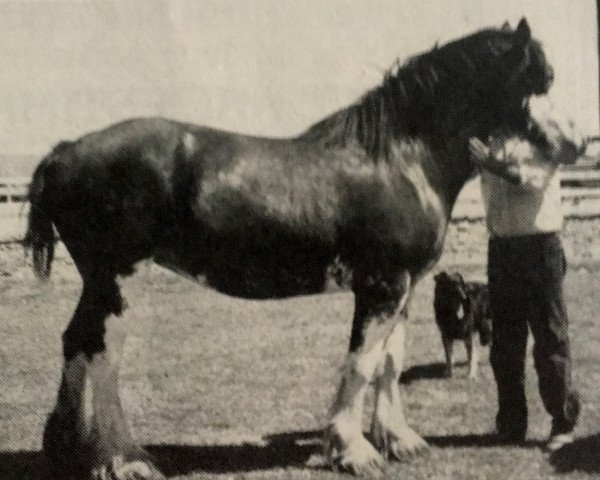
221,388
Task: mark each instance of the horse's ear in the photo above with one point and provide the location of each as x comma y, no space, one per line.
506,27
523,32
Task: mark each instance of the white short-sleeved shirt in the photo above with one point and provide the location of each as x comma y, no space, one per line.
532,207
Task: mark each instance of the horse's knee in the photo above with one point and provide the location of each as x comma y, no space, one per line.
379,303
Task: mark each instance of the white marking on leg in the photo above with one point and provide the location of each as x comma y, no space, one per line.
75,393
346,410
118,457
387,393
357,372
104,378
472,355
405,285
391,432
345,443
88,405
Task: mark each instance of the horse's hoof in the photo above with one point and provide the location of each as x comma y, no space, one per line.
407,445
357,457
369,465
119,469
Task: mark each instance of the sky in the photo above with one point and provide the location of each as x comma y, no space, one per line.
269,67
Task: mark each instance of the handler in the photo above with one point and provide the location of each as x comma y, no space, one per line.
526,267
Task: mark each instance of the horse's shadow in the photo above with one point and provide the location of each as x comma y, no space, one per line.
282,450
475,440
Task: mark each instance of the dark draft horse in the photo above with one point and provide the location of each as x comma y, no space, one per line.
370,187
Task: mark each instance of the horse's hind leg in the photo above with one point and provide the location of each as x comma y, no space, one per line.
87,434
378,302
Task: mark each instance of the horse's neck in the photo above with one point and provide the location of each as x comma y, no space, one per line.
448,171
369,131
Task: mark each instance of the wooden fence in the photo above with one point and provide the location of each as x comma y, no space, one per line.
13,189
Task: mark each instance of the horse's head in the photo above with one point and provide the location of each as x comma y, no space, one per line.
533,73
509,67
486,82
471,86
521,106
553,133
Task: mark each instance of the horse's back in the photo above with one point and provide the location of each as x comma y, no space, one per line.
178,192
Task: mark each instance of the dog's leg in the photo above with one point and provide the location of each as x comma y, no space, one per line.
448,344
472,355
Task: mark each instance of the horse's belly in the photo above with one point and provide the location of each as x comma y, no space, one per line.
251,277
169,260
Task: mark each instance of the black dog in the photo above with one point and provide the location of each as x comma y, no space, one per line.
461,309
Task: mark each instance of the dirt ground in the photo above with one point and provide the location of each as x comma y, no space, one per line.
230,389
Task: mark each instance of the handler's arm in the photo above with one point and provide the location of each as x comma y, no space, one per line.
482,157
530,175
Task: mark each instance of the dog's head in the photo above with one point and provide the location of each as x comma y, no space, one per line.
450,296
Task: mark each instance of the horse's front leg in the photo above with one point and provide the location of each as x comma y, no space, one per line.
391,433
87,435
377,303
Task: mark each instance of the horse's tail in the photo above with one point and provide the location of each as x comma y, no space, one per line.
39,238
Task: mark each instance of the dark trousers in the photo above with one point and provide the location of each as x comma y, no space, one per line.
525,276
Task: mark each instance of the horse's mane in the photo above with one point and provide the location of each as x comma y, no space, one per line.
427,94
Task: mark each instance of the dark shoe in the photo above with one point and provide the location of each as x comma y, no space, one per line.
566,421
562,428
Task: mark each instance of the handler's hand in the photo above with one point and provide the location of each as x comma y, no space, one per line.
479,151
